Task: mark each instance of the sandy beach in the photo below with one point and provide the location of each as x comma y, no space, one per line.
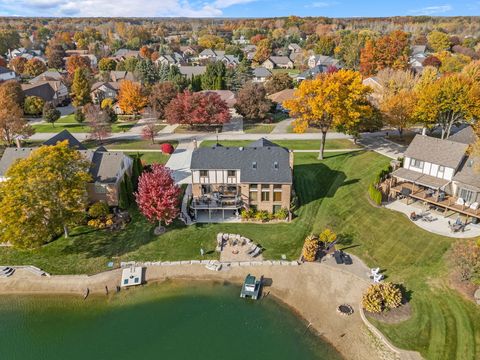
313,291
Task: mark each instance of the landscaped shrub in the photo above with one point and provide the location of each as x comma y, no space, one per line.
328,236
167,148
248,214
465,257
101,223
125,198
99,210
310,248
382,297
375,194
262,216
281,214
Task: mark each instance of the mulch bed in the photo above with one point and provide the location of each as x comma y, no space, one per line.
393,316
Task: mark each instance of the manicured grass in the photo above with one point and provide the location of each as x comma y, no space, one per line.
151,157
79,128
333,144
258,128
128,144
332,193
286,71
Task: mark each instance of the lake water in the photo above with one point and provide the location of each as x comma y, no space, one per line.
167,321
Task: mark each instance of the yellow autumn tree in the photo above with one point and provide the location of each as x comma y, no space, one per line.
398,109
448,100
131,98
43,195
332,100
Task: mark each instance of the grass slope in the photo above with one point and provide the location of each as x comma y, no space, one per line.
332,193
333,144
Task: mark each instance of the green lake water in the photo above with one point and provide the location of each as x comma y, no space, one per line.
168,321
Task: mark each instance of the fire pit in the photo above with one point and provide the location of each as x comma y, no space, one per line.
345,309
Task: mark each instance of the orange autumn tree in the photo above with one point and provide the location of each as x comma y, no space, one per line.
337,100
131,97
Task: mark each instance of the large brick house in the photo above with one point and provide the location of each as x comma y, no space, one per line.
226,180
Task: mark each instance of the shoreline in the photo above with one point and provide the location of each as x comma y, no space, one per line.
311,291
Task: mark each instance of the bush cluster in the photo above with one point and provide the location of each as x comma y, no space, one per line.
100,217
310,248
263,215
382,297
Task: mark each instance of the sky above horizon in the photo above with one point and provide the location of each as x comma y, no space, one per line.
236,8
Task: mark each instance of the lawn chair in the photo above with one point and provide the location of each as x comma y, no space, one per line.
375,271
257,252
378,278
347,260
251,249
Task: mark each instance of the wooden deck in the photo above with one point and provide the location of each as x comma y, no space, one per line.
449,203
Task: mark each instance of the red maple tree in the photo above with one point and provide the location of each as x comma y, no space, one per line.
158,196
197,109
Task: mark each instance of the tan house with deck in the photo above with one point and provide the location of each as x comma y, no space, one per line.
226,180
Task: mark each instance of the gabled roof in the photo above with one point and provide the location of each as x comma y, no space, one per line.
188,71
441,152
257,164
41,89
280,60
325,60
10,156
281,96
47,76
65,135
226,95
469,173
261,72
465,136
115,86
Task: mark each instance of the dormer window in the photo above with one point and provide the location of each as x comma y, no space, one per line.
254,165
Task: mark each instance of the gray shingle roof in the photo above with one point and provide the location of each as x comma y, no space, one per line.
469,172
192,70
255,162
441,152
105,165
261,72
65,135
464,136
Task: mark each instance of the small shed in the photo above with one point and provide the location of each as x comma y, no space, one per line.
132,276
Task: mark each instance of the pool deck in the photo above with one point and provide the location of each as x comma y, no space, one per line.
312,290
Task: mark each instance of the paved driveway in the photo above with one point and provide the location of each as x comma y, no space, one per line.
179,162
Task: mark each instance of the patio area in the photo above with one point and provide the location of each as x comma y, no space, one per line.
217,216
440,224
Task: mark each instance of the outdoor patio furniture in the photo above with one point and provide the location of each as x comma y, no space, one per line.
338,257
405,192
252,248
375,271
378,278
441,196
257,252
460,201
429,193
475,206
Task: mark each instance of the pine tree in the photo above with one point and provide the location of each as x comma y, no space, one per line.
123,198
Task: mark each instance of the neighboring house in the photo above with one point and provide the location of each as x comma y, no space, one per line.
226,95
47,76
83,53
122,54
173,59
323,61
417,57
249,49
188,51
104,90
312,72
261,74
377,87
189,71
295,48
107,168
117,76
7,74
278,62
281,96
226,180
241,41
442,173
25,53
217,55
53,91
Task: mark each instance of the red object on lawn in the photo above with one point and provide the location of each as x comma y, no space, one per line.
167,148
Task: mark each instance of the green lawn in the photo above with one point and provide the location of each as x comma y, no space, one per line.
331,193
151,157
333,144
79,128
258,128
128,144
67,119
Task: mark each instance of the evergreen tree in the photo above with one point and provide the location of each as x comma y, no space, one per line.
146,71
214,76
81,88
137,169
